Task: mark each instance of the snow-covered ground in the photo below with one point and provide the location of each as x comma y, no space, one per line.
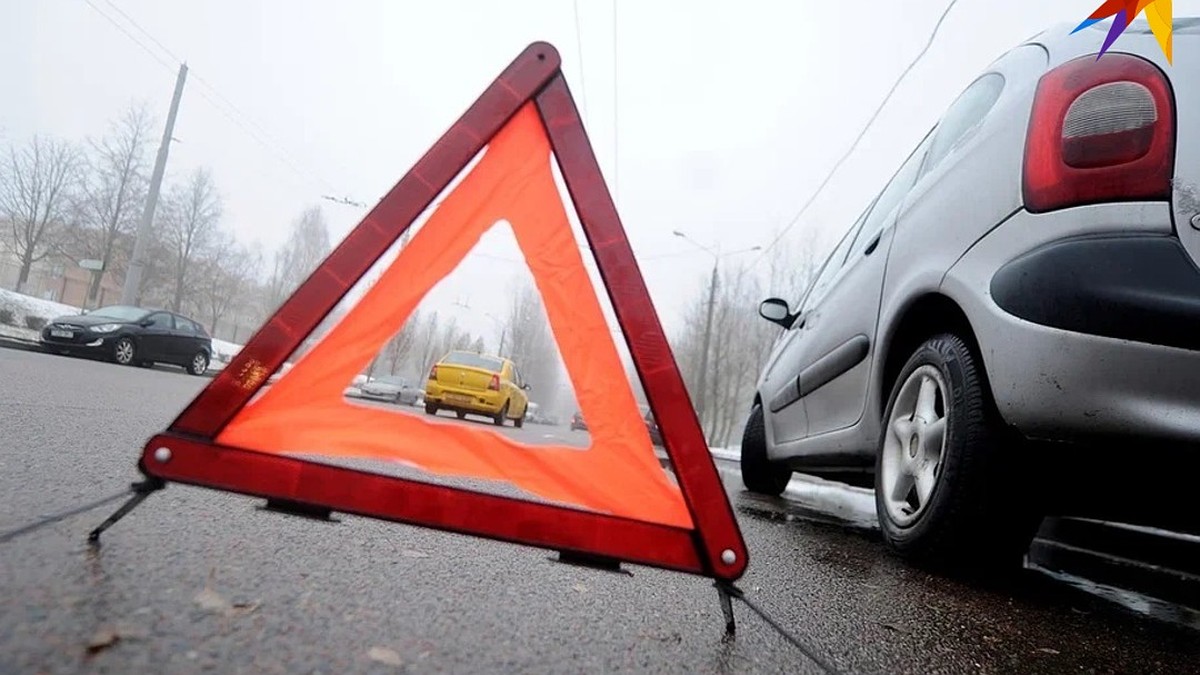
732,454
22,306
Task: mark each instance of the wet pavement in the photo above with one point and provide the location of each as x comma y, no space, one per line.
201,581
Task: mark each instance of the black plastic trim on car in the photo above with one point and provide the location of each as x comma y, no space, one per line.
825,370
1140,288
834,364
787,395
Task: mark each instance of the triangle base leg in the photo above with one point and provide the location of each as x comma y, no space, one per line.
140,492
725,593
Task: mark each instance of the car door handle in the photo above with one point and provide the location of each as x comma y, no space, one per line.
873,245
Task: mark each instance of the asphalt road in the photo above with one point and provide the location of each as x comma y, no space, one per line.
202,581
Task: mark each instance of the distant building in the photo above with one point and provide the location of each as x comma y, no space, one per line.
56,278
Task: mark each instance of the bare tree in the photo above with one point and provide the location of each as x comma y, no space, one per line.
306,247
740,339
399,349
223,275
115,188
36,196
531,344
426,346
192,212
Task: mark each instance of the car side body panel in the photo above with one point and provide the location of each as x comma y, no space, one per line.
950,206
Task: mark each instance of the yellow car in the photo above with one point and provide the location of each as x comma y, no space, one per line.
477,384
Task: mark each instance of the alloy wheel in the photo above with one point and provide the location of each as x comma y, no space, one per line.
914,445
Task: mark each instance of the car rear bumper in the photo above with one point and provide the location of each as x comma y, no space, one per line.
1086,337
1139,288
465,400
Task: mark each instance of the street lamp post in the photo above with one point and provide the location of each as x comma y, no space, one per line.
702,395
503,326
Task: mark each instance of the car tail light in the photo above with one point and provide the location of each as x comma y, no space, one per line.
1102,130
494,385
433,373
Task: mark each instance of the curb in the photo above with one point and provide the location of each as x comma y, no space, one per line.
19,344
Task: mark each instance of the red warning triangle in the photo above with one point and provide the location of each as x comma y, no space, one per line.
612,500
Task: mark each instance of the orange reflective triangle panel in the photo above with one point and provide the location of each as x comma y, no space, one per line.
612,499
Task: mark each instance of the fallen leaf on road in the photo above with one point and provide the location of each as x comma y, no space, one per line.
892,627
411,553
103,639
1047,650
580,588
385,656
211,601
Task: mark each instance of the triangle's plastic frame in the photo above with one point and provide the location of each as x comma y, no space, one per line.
186,453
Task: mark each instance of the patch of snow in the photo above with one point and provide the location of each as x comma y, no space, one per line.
26,305
224,351
733,454
18,333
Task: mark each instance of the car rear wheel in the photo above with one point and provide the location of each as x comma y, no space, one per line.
499,419
519,422
759,473
461,415
199,364
431,409
947,485
124,351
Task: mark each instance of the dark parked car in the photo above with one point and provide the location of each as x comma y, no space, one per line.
132,336
577,423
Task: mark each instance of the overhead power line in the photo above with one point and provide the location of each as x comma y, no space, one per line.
226,107
616,125
796,219
579,47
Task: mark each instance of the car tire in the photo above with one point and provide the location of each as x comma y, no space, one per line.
499,419
954,448
431,409
125,351
461,415
199,364
519,422
759,473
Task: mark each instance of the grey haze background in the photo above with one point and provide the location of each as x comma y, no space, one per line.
727,116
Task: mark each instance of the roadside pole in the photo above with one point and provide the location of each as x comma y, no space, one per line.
133,279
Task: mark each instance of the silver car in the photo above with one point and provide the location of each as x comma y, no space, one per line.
1012,327
392,389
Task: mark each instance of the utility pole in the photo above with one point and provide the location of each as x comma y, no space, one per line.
702,394
133,279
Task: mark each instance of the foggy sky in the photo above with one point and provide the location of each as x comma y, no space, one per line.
727,120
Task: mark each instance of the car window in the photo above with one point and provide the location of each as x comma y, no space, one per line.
890,199
833,264
474,361
120,312
185,325
161,320
962,117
